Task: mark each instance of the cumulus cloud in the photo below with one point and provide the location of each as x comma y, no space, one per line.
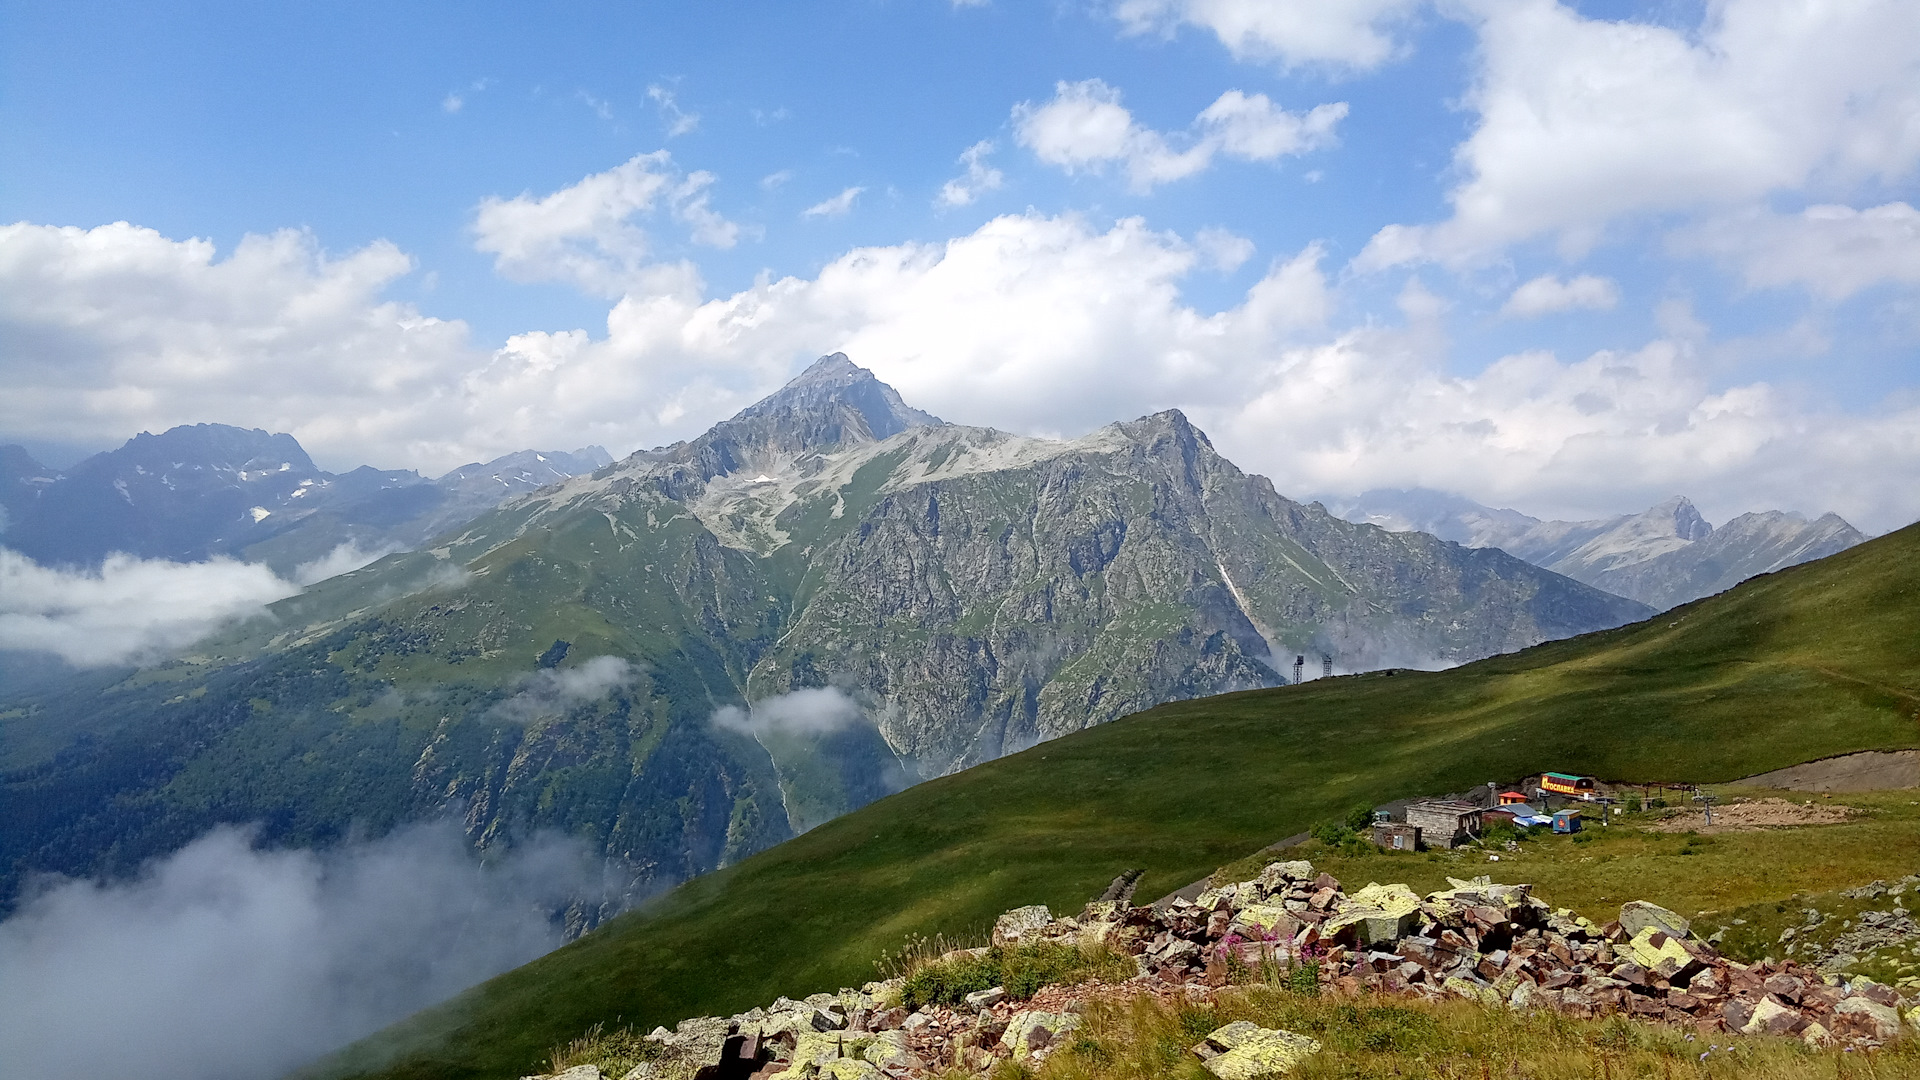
585,233
550,692
129,610
979,177
1351,34
1223,248
811,711
1583,122
224,961
1832,251
1050,324
117,329
838,206
1085,127
1548,294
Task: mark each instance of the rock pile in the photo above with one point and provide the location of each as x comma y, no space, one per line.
1498,944
1495,944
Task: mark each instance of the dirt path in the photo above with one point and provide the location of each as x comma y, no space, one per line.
1874,770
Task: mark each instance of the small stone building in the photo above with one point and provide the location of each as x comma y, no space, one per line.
1396,836
1444,822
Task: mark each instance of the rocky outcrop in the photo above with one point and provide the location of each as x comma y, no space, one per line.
1497,945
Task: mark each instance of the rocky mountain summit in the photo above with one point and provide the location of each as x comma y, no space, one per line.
1494,944
1663,556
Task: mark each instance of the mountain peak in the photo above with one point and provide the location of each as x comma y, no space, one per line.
833,368
834,383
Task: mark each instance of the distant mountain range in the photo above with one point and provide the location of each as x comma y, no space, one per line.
1662,557
193,492
709,647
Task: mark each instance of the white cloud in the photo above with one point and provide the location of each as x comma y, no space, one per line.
550,692
117,329
129,610
585,233
679,122
1832,251
838,206
1351,33
1225,250
690,206
343,559
1547,294
1085,128
227,962
1584,122
1046,325
809,711
1030,323
452,103
979,177
775,179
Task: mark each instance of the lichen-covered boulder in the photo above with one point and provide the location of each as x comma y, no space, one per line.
1881,1022
1021,922
1377,913
1244,1050
1264,921
889,1050
579,1072
1031,1030
817,1049
1656,950
849,1069
1638,915
1279,875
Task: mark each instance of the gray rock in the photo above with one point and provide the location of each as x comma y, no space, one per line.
986,999
1637,915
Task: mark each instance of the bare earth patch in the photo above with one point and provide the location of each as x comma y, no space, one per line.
1873,770
1771,813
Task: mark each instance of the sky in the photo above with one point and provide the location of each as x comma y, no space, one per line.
1571,258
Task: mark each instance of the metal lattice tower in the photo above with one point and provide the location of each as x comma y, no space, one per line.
1326,665
1299,670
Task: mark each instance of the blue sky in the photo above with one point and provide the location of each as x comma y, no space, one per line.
1691,327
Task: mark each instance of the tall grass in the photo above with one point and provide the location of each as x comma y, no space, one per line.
1021,969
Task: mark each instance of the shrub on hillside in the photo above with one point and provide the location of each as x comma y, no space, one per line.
1021,969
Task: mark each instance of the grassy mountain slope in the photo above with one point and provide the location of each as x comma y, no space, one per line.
1808,662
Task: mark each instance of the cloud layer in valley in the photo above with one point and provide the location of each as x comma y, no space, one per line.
810,711
228,962
550,692
129,610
